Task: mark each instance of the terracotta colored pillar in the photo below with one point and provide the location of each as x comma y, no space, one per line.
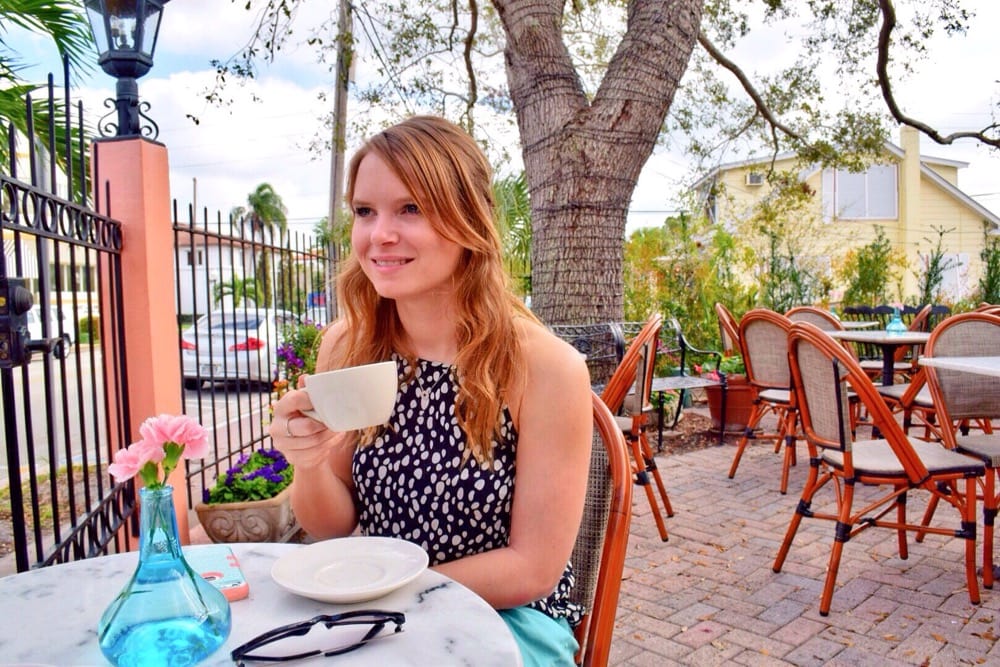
136,171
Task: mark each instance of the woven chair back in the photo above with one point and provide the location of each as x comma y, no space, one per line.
634,371
822,370
823,319
764,343
959,394
599,553
823,401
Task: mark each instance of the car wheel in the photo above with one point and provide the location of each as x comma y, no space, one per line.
192,383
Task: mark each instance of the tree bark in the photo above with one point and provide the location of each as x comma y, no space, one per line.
583,157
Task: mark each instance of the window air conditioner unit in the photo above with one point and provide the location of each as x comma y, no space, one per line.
755,178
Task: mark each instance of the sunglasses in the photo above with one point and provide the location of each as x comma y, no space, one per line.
281,644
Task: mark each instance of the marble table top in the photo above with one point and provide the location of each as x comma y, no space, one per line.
977,365
57,609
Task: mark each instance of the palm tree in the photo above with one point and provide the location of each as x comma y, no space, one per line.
266,212
63,21
243,291
513,212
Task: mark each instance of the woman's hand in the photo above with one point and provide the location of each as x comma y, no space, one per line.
304,441
322,491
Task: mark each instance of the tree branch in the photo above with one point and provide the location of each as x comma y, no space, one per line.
882,68
748,86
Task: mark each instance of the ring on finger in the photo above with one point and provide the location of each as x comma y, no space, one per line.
288,428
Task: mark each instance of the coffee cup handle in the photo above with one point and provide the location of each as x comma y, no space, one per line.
310,413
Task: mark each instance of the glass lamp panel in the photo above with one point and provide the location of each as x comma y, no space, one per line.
151,27
98,25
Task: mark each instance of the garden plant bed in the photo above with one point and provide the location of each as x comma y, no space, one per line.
694,431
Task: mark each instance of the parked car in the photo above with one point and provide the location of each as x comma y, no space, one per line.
233,345
57,326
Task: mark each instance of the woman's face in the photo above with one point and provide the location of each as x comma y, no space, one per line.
402,255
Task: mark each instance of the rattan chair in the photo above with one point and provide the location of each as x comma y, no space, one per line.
962,397
674,345
729,330
763,340
823,319
599,553
821,371
635,374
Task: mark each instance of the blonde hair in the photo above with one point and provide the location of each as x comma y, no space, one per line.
451,182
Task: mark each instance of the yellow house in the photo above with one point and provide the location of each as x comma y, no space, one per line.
910,196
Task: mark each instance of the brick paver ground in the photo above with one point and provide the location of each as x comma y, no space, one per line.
708,596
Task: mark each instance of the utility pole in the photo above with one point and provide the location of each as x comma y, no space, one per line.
345,54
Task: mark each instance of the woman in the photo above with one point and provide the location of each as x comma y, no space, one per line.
484,390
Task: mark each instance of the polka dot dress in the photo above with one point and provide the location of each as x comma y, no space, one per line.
412,482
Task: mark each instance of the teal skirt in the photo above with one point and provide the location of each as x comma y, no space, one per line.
544,641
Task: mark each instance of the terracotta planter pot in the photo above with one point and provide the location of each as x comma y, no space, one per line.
739,403
252,521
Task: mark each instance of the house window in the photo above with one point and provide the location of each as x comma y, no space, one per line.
194,257
872,194
954,282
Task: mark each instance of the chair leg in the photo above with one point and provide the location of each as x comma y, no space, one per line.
748,434
990,501
841,536
641,475
801,510
788,429
904,550
969,533
928,515
651,467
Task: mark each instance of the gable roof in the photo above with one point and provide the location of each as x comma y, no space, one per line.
893,150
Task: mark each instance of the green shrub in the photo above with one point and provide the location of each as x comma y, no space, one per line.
89,329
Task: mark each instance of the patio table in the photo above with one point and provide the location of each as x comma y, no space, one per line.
977,365
888,342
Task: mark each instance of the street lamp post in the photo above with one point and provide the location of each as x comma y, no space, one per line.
125,32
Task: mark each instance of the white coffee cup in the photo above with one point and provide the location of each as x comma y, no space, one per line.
353,398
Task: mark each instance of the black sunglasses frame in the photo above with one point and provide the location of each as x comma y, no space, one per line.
377,618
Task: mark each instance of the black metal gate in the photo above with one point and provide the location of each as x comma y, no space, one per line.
231,271
63,375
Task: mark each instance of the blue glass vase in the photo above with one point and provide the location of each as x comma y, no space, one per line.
895,326
167,614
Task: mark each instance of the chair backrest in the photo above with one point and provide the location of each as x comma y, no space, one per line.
602,343
962,395
764,343
636,368
920,321
822,370
729,330
823,319
599,553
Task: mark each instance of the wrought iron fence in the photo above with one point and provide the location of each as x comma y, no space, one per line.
241,290
63,374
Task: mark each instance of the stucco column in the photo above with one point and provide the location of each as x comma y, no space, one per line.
136,173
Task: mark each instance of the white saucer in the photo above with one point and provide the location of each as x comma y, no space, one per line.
349,569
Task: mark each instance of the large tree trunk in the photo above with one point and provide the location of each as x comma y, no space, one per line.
582,158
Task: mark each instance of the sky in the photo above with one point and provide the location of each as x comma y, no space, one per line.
265,133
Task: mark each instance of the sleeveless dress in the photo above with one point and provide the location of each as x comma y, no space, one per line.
414,483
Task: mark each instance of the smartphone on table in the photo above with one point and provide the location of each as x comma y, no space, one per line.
217,564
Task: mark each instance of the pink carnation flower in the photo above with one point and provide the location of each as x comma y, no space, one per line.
127,463
145,456
180,429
